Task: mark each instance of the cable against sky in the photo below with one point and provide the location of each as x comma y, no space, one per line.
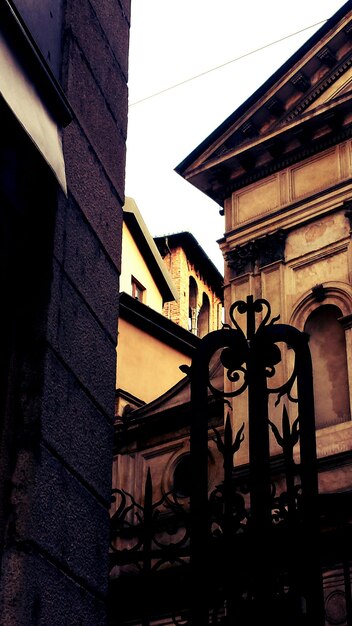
213,69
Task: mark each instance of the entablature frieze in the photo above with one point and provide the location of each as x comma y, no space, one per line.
273,206
280,160
254,231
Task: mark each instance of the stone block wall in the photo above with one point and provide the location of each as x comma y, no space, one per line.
54,568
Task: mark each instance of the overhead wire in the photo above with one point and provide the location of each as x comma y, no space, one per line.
218,67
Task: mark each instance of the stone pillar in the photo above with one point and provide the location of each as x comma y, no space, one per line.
55,562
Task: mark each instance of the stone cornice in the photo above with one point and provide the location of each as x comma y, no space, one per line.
333,199
348,211
321,115
319,90
286,120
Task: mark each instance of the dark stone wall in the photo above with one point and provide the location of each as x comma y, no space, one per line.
54,568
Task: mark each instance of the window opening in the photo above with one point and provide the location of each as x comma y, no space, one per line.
330,380
192,308
204,317
138,291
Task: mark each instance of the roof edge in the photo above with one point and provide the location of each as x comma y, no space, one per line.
262,89
136,223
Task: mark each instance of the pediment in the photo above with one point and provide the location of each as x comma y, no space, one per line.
307,98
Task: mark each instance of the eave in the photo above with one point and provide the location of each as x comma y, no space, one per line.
313,132
34,62
157,325
265,130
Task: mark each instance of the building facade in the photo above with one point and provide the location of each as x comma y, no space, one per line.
199,284
286,203
171,296
280,166
64,119
150,347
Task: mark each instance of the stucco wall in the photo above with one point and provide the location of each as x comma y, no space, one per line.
133,264
148,366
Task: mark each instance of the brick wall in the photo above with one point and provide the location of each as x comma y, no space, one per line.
176,263
181,270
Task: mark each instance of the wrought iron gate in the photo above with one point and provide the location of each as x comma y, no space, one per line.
253,550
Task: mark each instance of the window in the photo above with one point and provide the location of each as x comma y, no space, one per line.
138,291
330,380
192,308
204,317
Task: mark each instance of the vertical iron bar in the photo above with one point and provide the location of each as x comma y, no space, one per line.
308,535
147,547
292,548
289,469
199,490
229,580
228,465
309,478
348,595
199,507
250,318
259,476
232,569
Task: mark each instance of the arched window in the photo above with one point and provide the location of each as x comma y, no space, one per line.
192,306
330,379
204,316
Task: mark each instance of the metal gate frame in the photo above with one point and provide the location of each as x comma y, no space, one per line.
263,562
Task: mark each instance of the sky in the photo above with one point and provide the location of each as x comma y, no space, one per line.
183,41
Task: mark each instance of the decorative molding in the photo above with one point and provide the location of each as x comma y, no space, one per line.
348,211
248,129
291,213
326,56
162,449
319,90
272,248
323,253
295,157
242,259
319,293
336,292
275,106
346,321
348,29
301,82
263,251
